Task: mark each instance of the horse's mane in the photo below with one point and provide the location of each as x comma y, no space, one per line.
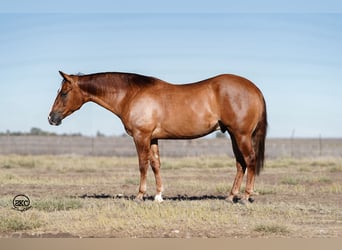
99,83
137,79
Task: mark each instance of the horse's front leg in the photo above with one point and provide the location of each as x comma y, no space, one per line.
143,149
155,164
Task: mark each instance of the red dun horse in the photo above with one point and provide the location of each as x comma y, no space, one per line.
151,109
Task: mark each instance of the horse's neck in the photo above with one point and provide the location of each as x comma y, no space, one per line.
109,94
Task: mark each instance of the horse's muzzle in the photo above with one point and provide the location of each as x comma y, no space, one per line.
55,118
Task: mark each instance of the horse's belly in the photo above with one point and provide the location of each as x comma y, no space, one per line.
185,128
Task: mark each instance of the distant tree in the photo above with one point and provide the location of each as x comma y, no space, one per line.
99,134
36,131
33,131
8,132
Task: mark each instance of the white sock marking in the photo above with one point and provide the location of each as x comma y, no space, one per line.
158,198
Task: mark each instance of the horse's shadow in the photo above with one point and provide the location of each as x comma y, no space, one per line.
151,198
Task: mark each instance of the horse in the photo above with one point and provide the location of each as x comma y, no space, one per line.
152,109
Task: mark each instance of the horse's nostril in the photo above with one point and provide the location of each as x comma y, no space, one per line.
54,119
50,120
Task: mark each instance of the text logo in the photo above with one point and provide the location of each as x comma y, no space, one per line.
21,202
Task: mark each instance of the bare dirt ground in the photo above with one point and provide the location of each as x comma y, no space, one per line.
80,196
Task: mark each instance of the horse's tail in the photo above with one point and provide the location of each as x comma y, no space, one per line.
259,136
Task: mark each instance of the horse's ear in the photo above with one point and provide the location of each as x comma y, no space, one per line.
66,76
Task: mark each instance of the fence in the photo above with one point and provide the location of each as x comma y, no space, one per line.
124,146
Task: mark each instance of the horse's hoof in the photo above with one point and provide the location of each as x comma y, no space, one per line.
233,200
230,201
236,199
251,200
138,200
158,198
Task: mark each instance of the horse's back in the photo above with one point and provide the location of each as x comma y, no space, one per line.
232,83
219,82
227,92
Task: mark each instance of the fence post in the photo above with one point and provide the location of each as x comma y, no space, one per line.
292,142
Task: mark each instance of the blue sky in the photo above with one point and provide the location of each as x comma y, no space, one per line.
294,56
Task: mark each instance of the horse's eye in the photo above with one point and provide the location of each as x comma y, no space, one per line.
64,94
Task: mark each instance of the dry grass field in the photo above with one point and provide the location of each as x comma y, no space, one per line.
88,196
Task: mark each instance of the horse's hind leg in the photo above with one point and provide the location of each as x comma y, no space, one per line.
245,159
155,164
240,170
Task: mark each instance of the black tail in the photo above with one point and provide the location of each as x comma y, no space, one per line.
259,136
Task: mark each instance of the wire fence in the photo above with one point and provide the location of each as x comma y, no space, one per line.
124,146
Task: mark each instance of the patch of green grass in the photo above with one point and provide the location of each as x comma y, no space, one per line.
27,163
18,161
7,166
271,229
304,169
13,224
222,188
85,170
172,165
19,222
323,163
336,169
281,163
266,190
57,204
324,179
131,181
289,180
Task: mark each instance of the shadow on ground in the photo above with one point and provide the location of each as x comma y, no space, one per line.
170,198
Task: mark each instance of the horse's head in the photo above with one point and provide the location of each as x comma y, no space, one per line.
69,99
